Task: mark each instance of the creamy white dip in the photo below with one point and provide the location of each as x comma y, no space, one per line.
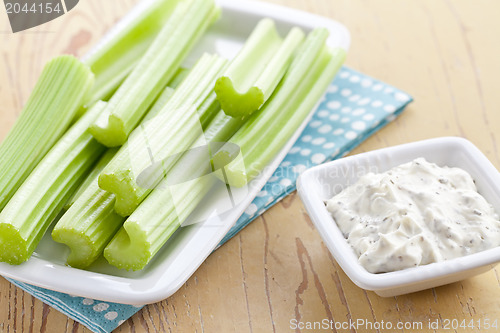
414,214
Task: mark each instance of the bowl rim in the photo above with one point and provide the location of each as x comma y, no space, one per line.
342,251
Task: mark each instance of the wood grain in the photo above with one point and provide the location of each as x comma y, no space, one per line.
444,53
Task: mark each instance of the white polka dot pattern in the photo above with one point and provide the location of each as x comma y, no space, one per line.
111,315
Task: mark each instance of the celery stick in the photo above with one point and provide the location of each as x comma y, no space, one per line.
156,218
129,104
90,223
256,71
58,95
90,178
41,197
267,131
160,103
167,135
157,106
115,57
167,93
223,127
210,109
181,74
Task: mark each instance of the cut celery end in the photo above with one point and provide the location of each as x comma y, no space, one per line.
83,252
88,226
14,248
286,110
109,129
123,183
91,222
116,57
164,138
107,123
57,97
234,103
128,253
256,71
133,98
44,193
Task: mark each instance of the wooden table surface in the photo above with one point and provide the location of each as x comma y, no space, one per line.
444,53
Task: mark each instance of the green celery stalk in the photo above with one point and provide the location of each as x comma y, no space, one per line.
163,138
223,127
156,218
90,223
130,102
159,103
41,197
115,57
167,93
165,96
257,69
181,74
60,92
90,178
210,109
268,130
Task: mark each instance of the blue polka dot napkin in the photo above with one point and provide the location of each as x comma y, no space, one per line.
354,107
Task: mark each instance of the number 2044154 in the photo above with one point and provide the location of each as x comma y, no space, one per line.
456,324
18,7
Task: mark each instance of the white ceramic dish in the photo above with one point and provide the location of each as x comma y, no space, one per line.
191,245
322,182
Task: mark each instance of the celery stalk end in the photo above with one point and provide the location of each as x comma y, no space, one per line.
13,247
128,249
125,189
109,123
237,104
82,253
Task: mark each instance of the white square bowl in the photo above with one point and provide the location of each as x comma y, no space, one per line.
324,181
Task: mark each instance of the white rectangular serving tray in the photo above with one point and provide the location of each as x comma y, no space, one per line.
191,245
